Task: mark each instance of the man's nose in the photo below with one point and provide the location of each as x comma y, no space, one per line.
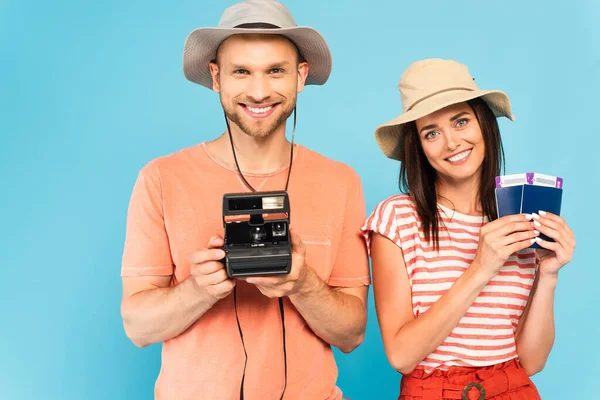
258,89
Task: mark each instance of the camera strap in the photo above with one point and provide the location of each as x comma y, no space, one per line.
284,346
281,309
287,181
237,319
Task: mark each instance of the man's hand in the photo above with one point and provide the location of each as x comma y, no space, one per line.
284,285
208,271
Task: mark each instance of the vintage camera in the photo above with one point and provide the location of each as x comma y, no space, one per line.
257,238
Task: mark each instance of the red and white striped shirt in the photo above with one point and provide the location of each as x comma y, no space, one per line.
485,334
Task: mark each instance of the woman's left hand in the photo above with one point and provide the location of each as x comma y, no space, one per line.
553,255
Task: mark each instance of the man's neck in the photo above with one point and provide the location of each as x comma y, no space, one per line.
254,155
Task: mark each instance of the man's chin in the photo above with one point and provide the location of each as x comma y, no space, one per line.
257,134
259,128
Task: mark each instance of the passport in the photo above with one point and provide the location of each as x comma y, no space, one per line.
527,199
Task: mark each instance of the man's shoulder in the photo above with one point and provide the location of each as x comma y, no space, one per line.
325,166
173,162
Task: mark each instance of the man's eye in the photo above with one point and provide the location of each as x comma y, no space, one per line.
240,72
277,71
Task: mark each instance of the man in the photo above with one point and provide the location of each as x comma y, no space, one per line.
224,338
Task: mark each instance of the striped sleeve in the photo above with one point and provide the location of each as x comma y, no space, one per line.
383,220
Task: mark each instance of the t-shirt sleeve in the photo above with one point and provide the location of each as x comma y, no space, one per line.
147,250
351,268
383,220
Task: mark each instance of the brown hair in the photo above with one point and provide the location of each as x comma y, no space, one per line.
418,178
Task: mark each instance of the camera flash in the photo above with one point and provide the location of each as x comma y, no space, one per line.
272,203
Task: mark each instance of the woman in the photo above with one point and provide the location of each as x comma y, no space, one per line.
465,305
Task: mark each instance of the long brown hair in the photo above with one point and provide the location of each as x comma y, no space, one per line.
418,178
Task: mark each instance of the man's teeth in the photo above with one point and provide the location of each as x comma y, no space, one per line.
256,110
459,156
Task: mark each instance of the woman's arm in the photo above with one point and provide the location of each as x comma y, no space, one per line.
409,340
535,333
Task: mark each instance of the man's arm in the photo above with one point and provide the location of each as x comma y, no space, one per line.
154,311
336,315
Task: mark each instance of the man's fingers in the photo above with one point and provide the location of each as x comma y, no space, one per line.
264,281
223,288
297,243
265,292
216,277
207,268
207,255
215,241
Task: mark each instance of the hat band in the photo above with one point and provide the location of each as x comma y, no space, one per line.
257,25
435,94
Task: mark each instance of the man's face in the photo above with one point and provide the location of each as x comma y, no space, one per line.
258,78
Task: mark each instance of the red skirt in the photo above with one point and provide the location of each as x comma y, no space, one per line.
506,381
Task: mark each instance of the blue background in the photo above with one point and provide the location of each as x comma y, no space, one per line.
91,91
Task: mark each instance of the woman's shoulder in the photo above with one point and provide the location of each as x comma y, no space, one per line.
390,217
399,201
399,206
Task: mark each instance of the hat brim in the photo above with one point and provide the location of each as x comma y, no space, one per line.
201,48
389,134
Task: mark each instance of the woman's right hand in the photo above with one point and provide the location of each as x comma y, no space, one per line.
501,238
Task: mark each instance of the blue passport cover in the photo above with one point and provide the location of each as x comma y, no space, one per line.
527,199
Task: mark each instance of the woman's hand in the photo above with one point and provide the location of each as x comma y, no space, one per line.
553,255
501,238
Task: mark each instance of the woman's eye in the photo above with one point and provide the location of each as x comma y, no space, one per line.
431,135
462,122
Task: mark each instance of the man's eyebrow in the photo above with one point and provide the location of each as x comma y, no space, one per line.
278,64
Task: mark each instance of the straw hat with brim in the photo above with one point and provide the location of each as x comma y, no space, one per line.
255,17
428,86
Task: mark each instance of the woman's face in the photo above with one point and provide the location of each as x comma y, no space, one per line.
453,142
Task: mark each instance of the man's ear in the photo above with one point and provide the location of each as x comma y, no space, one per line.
302,74
214,72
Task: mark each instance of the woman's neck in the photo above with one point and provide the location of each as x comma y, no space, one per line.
462,196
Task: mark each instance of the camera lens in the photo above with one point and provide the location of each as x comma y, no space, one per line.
278,229
258,233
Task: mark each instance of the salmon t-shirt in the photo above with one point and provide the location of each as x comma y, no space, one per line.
176,206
